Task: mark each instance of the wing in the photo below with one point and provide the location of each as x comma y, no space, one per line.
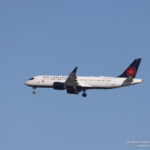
71,81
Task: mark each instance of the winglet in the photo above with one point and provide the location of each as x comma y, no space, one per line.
75,69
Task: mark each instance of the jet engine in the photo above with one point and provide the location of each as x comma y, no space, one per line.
58,86
72,91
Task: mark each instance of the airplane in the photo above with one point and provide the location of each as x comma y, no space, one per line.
74,85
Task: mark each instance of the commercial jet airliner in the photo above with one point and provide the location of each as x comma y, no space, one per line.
74,85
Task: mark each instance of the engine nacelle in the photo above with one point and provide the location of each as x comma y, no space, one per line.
58,86
72,91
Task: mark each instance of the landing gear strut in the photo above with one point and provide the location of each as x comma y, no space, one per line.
84,94
34,90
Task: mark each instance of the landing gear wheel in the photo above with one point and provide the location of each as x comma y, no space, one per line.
34,90
84,95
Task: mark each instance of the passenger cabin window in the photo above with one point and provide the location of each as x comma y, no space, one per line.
31,78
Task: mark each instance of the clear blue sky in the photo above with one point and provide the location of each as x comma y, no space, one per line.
52,37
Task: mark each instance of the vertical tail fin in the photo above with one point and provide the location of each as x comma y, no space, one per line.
131,71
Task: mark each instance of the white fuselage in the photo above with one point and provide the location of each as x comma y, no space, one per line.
100,82
74,84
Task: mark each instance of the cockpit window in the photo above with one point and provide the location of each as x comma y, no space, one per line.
31,78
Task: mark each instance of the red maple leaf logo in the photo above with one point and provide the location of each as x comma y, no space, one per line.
131,71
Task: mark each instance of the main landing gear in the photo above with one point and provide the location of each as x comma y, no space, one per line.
34,90
84,94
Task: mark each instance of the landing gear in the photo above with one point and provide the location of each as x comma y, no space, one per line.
84,94
34,90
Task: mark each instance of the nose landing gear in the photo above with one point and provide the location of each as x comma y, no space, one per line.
34,92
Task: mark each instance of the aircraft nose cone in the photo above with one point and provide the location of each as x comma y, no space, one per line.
27,83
